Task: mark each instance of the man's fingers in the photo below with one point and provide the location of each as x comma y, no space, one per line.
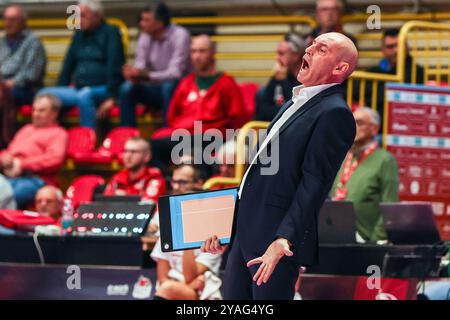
288,253
254,261
261,276
258,272
211,245
217,245
205,245
269,272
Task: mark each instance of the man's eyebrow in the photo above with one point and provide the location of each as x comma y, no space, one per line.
321,43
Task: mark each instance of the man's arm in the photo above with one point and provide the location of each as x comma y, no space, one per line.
162,270
192,269
33,66
115,62
65,77
178,61
331,139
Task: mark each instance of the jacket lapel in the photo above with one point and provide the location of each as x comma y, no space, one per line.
279,114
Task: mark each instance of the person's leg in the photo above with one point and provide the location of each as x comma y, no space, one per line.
174,290
88,100
25,189
130,95
281,284
67,95
167,89
237,284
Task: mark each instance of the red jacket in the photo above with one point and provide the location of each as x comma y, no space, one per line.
220,107
150,185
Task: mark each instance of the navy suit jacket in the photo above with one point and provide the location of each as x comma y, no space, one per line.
312,145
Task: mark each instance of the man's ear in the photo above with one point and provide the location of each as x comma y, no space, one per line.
341,68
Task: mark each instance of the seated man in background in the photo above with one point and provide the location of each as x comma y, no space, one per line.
329,19
49,202
93,63
368,176
137,178
162,59
279,89
206,95
22,67
388,65
37,151
181,274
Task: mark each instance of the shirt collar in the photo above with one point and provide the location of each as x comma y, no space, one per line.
166,33
309,92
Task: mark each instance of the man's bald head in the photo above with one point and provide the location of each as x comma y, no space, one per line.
347,50
202,54
331,58
49,201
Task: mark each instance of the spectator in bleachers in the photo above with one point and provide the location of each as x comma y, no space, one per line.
37,151
49,202
206,95
328,17
22,68
368,176
184,274
162,59
388,64
279,89
137,178
93,64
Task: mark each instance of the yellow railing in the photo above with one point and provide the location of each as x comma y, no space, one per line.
418,36
248,129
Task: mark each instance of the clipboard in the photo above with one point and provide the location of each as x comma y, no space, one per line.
187,220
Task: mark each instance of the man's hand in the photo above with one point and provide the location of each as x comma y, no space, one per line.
105,108
15,170
10,83
269,260
133,74
212,245
7,161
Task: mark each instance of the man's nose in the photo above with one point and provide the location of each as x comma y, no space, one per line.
310,50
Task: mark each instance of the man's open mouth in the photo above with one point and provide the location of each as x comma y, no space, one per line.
305,64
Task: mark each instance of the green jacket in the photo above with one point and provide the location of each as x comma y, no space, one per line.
95,58
374,181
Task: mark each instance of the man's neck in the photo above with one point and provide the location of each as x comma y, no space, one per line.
159,35
207,72
134,173
15,36
359,147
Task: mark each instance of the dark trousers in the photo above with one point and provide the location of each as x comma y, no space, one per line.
239,284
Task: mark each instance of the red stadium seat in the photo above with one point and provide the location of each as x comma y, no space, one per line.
82,189
249,90
111,148
81,140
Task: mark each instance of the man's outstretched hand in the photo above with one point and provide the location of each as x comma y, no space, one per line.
212,245
269,260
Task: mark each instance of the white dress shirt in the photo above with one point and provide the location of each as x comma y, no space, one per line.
300,96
